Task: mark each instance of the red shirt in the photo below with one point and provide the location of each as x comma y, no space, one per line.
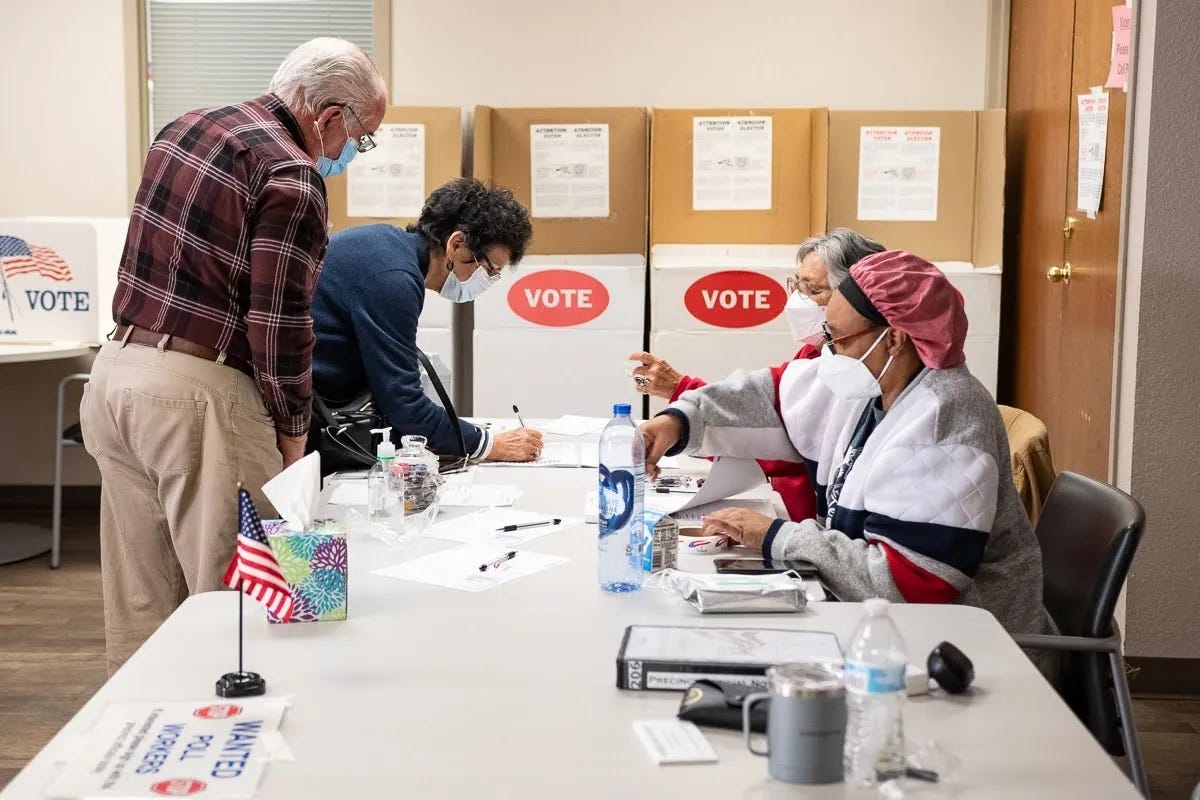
225,244
789,478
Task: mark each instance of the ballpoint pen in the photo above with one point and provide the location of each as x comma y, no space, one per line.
518,413
509,556
511,528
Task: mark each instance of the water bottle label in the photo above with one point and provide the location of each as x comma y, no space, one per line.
866,679
617,496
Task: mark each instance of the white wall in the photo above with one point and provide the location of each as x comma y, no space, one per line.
62,151
62,81
902,54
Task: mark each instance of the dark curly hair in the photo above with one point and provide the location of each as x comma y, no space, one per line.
487,215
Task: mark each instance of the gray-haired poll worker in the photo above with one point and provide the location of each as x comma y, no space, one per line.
370,297
208,379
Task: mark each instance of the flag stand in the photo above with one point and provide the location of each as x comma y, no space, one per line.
241,683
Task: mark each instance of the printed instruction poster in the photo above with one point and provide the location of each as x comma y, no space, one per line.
731,163
898,173
389,181
568,167
180,749
1093,140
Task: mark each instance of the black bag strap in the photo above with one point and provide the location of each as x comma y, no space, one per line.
445,399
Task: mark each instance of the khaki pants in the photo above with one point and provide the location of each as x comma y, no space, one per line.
173,435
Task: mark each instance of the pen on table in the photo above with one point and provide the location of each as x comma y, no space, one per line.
509,556
670,490
511,528
518,413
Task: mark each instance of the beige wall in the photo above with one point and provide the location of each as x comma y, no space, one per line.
63,71
1158,441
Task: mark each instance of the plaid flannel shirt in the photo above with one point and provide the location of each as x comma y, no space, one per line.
225,245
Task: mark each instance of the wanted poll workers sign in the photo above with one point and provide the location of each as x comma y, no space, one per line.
48,281
214,751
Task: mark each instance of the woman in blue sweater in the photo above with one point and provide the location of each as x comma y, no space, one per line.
370,295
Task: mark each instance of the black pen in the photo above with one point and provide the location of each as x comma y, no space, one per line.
669,490
518,413
511,528
509,556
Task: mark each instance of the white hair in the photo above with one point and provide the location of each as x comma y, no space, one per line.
840,249
326,72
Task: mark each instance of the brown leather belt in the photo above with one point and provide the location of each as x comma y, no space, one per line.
145,338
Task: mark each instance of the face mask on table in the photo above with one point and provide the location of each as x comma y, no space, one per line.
849,378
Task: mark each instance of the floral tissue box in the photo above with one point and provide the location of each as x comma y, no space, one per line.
314,563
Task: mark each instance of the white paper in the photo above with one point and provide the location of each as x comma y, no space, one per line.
558,454
568,167
296,492
349,493
213,749
731,163
473,495
728,477
481,527
389,181
459,568
591,507
572,425
729,645
674,741
1093,139
898,173
493,424
694,515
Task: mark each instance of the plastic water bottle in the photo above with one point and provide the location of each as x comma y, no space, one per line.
875,689
622,488
385,490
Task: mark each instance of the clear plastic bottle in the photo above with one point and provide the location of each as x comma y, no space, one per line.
622,489
875,690
416,467
385,490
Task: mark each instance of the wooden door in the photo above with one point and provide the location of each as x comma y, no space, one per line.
1058,338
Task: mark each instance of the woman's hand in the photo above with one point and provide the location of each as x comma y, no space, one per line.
660,435
746,527
655,377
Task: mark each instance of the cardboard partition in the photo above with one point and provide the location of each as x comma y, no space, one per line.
968,222
441,129
553,293
713,355
549,372
62,290
616,221
704,287
797,207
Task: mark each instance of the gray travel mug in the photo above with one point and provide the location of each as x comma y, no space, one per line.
806,723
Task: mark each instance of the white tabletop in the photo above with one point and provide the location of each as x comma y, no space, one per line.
18,353
429,692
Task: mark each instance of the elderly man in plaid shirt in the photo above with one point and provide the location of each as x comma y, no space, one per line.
208,379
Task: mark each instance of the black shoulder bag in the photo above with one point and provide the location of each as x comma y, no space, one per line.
343,435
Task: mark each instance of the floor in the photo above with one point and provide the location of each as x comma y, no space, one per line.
52,660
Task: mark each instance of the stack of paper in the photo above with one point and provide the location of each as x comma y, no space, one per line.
559,454
572,425
468,495
487,527
472,569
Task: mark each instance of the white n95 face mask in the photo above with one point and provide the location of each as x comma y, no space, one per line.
848,378
804,317
457,291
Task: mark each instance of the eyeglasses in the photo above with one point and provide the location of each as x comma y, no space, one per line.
486,266
364,141
802,286
830,341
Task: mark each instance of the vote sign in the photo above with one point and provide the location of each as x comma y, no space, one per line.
735,299
558,298
48,281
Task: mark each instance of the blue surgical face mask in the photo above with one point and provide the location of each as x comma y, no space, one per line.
329,167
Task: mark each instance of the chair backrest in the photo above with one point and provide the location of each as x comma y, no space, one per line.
1032,467
1088,533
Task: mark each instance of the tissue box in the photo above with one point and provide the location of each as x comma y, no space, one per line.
315,565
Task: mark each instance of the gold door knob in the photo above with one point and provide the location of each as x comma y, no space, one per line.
1057,274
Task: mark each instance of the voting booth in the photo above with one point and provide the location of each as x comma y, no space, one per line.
417,150
733,193
58,277
553,336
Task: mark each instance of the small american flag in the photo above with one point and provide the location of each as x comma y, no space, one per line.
20,258
254,569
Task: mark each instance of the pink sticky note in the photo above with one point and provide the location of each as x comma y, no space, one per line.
1122,18
1118,73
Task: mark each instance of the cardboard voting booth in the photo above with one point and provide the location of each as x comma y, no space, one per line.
553,336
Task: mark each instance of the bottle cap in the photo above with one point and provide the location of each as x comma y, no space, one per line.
621,409
386,448
876,607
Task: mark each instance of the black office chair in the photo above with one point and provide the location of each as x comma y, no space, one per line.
1089,532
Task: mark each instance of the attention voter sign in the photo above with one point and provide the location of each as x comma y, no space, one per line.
214,751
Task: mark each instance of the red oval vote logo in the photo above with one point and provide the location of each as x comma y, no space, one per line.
558,298
735,299
218,711
178,787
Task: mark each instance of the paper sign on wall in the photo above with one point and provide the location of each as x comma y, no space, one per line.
1093,139
731,163
389,181
898,173
180,749
1118,73
568,167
